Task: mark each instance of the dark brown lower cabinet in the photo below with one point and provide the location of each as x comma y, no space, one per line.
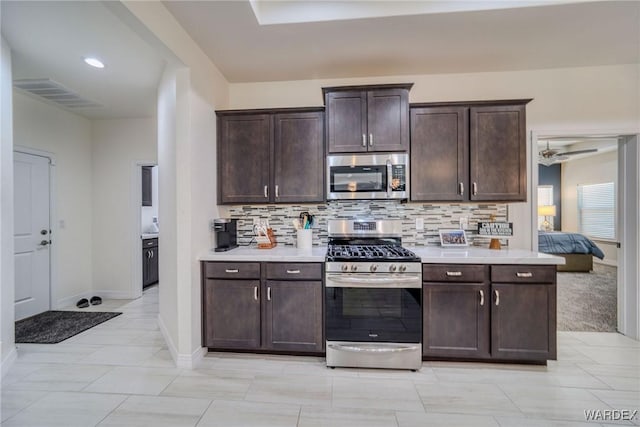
456,320
511,316
293,316
263,306
231,313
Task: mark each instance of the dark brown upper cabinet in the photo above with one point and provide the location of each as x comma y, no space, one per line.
147,185
367,118
271,156
473,151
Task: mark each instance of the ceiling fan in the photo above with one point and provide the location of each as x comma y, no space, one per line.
549,156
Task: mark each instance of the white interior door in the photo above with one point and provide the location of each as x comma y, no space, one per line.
32,235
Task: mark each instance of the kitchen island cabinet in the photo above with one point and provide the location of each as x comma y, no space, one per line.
263,306
473,151
367,118
283,149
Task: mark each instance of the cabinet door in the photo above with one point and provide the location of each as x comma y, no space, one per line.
153,266
244,153
346,121
498,164
439,154
293,315
231,314
299,157
388,120
146,260
523,321
456,320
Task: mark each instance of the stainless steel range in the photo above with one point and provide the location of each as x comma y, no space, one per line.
373,297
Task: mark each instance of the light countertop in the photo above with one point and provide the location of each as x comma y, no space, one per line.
149,235
428,254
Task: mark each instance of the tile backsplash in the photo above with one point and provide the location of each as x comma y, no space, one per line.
435,216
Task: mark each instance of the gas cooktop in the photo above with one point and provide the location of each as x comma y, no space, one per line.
348,252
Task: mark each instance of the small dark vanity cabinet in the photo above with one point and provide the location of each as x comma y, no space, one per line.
147,183
367,118
149,262
469,151
271,156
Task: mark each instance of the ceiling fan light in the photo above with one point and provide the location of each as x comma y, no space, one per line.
94,62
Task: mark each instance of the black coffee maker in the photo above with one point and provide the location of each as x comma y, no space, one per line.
226,234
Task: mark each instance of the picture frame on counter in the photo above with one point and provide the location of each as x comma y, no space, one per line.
453,238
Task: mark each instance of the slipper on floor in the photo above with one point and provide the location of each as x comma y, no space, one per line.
96,300
83,303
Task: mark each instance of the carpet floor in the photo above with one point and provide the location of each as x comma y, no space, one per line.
588,302
52,327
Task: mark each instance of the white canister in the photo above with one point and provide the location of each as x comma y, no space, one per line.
304,238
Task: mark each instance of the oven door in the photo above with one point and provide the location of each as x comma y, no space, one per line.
362,307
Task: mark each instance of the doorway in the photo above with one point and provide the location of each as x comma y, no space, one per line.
148,248
32,233
593,202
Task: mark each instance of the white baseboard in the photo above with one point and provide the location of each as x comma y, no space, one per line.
185,361
6,364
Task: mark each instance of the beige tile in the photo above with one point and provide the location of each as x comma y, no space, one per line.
605,339
291,389
66,409
466,398
146,411
54,353
627,356
619,399
13,401
540,422
348,417
133,380
417,419
385,394
61,378
225,413
121,355
213,385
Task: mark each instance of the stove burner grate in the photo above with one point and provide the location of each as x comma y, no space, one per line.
369,252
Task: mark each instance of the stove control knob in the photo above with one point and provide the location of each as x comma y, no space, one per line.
403,268
392,268
354,267
344,267
373,268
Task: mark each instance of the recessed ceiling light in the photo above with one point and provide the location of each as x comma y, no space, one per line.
94,62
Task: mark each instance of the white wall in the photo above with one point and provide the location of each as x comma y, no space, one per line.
45,127
7,347
147,213
572,98
596,169
117,145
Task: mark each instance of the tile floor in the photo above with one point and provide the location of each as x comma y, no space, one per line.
120,374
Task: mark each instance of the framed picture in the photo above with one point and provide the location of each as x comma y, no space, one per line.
453,238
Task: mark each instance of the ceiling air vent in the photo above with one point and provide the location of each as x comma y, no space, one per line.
54,92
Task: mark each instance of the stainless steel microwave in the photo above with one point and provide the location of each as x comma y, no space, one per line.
368,176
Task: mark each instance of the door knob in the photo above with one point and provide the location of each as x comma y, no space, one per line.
43,232
44,243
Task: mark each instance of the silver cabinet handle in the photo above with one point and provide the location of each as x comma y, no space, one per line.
148,254
269,293
151,253
370,140
481,297
475,188
277,192
497,297
293,271
255,293
526,274
266,191
364,140
462,188
390,180
228,270
454,273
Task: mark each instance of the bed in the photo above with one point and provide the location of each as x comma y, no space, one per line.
576,249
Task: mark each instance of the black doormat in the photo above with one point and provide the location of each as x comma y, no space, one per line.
52,327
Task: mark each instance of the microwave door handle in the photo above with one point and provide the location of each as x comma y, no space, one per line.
389,178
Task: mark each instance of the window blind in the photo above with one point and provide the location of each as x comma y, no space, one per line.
596,210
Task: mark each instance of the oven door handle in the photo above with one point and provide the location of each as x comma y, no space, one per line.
372,281
372,349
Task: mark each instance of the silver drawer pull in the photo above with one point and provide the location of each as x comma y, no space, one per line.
228,270
454,273
526,274
497,297
364,140
462,188
481,297
293,271
269,293
255,293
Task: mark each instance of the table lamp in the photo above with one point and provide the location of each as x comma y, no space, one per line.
546,211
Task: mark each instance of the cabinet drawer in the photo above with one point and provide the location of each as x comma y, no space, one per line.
454,273
523,274
294,271
232,270
149,243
